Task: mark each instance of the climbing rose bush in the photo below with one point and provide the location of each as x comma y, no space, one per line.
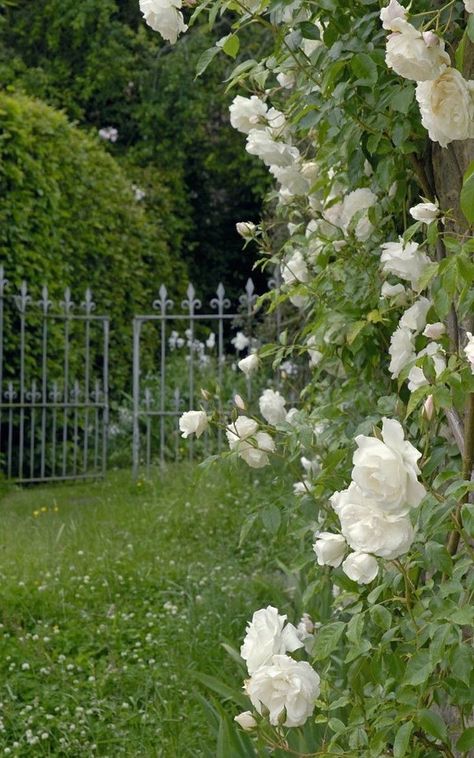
363,114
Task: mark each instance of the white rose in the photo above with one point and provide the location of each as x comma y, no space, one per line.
193,422
359,200
255,451
267,635
392,14
240,429
295,269
246,721
387,472
291,179
468,350
286,686
368,530
164,17
315,356
415,56
405,261
239,402
272,407
429,407
246,229
240,341
360,567
286,80
290,417
247,113
434,331
447,107
305,630
469,6
249,364
415,317
416,376
261,143
401,350
425,212
312,467
329,548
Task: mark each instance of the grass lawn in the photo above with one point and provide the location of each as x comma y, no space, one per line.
112,595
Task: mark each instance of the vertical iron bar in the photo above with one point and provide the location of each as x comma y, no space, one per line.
162,390
34,397
177,406
96,395
221,302
55,397
22,300
148,430
192,303
75,426
10,395
67,306
3,283
136,398
44,304
88,306
105,379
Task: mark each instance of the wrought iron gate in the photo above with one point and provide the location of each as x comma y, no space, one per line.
159,400
54,397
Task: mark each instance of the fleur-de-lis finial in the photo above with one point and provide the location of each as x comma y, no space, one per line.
221,302
191,302
163,302
3,281
88,304
23,299
45,303
67,304
248,299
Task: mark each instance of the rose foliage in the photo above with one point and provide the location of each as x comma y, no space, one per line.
363,113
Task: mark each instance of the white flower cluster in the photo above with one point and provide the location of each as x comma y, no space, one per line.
445,98
164,16
250,444
374,509
279,686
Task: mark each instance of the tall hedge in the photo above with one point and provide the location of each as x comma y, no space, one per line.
68,216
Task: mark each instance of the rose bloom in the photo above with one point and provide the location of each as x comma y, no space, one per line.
416,376
447,107
246,721
193,422
255,451
368,530
425,212
359,200
247,113
392,14
272,407
415,317
249,364
291,179
246,229
401,350
387,471
329,548
240,429
295,269
469,6
360,567
416,56
469,350
266,635
240,341
164,17
434,331
260,142
284,686
405,261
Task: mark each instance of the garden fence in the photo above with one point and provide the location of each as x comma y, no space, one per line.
54,403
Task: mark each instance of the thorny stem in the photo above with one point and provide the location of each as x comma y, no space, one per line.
467,471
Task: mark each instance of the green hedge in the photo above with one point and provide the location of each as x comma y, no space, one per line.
68,216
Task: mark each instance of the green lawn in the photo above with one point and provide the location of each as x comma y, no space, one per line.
112,595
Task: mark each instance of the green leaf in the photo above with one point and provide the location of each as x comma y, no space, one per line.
402,740
309,31
419,668
271,518
231,46
467,194
381,616
432,723
364,68
470,27
205,59
327,640
438,557
466,740
223,690
467,515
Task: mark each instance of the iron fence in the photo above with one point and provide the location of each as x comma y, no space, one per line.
54,397
159,399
